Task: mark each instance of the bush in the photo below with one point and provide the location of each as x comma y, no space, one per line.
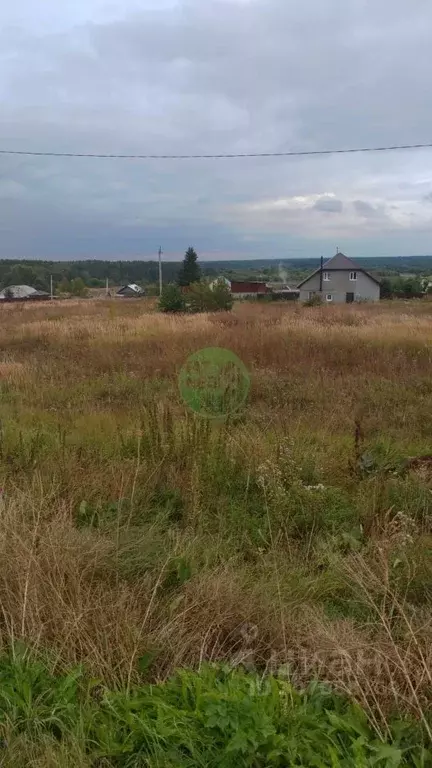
64,286
202,298
222,295
172,299
386,291
314,301
78,287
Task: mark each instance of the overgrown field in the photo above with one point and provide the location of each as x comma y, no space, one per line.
294,539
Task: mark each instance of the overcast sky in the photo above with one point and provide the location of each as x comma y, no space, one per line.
192,76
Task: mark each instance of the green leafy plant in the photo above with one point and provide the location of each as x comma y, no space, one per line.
218,718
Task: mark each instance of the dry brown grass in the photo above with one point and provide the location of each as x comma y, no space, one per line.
91,416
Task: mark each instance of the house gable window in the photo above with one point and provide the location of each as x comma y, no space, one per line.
326,276
353,276
329,297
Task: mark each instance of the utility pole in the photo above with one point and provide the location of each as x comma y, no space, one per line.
160,270
51,287
106,287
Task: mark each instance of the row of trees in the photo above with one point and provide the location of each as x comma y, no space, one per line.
403,287
92,273
75,277
22,274
191,293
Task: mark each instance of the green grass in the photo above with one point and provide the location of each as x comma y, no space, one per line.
215,718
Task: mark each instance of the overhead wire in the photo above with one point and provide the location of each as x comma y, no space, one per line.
222,156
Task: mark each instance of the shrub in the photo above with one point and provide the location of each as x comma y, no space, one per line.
202,298
222,295
78,287
172,299
64,286
314,301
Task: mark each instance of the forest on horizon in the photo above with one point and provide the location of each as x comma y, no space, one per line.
95,272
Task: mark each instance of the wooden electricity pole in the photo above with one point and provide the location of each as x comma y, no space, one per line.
160,270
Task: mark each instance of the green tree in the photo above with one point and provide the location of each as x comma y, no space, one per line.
407,287
78,287
172,299
42,282
64,286
190,271
386,291
202,298
222,296
20,274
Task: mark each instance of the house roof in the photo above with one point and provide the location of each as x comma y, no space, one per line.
341,263
248,286
21,292
131,287
278,286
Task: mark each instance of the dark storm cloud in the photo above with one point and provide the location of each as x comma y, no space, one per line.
215,76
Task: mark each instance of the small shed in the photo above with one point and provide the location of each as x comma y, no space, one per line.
130,291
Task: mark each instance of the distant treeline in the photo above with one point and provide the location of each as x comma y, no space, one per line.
95,272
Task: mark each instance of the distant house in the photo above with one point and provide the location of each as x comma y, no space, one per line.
241,289
130,291
340,280
23,293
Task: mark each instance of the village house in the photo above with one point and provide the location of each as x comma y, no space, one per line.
340,280
130,291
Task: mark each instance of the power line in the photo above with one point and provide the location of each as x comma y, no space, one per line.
216,157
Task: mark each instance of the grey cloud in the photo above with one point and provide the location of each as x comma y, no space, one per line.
367,210
328,205
209,76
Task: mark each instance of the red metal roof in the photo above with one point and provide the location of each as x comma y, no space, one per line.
248,286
